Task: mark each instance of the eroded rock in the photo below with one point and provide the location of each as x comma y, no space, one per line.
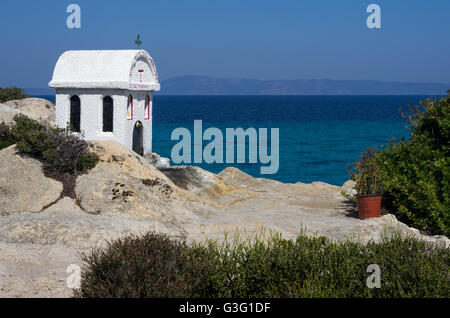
207,185
35,108
23,185
125,184
124,194
348,189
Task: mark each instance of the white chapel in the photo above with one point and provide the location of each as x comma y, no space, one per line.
107,95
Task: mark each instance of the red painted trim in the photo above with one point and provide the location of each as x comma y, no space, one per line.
130,97
147,104
133,65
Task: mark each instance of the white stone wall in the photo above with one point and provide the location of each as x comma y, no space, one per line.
91,117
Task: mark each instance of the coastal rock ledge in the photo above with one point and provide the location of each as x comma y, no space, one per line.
42,233
35,108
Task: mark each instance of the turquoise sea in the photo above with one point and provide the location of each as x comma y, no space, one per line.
319,135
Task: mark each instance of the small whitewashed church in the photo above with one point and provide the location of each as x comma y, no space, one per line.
107,95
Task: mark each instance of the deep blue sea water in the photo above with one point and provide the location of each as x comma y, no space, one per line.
319,135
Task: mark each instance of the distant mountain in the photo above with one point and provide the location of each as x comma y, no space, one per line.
204,85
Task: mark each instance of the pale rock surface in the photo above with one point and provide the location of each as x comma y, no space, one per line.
158,161
35,271
315,209
348,188
23,186
37,248
124,194
35,108
66,224
207,185
125,184
7,113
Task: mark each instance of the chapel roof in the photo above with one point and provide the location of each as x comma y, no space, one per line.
106,69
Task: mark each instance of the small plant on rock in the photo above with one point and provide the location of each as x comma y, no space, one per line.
366,173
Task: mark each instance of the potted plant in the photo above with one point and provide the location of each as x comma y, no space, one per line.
367,176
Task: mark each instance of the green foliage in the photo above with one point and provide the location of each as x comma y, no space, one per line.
6,137
147,266
58,149
366,173
416,173
86,161
260,266
11,93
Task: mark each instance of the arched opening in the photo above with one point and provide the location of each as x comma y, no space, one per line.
138,138
108,111
147,108
130,108
75,111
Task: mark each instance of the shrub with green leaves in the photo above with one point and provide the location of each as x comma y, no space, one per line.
264,266
416,173
60,150
11,93
149,266
6,136
366,173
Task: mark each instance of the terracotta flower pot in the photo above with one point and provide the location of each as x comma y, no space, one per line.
369,206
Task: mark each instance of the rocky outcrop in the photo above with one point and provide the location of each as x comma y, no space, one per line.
23,186
7,113
375,229
314,209
207,185
158,161
35,108
126,194
348,189
125,184
66,224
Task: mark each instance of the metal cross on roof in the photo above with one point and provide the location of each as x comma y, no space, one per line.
138,41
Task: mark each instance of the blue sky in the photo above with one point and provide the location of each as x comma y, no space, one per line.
300,39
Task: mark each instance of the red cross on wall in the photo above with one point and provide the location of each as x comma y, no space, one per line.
140,73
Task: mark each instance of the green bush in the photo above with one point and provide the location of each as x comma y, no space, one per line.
416,173
86,161
147,266
11,93
155,266
6,137
58,149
